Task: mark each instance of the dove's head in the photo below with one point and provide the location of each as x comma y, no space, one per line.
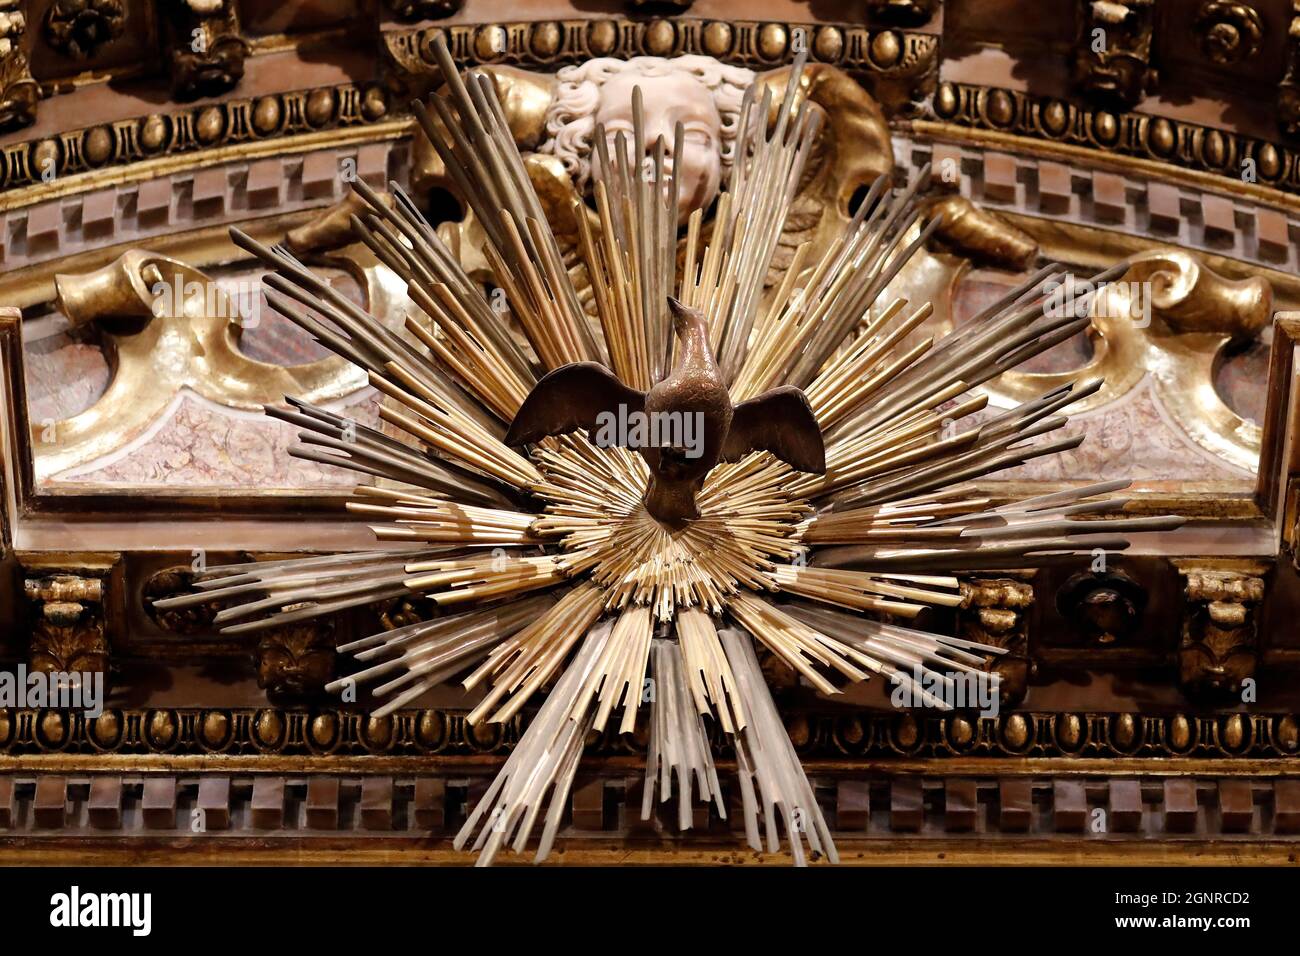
685,319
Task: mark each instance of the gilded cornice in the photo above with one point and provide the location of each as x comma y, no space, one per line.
95,156
44,168
848,735
758,44
900,65
1014,116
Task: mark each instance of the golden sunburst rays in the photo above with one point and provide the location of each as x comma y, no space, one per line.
632,259
679,742
427,653
773,786
545,568
725,281
712,685
542,766
273,593
594,502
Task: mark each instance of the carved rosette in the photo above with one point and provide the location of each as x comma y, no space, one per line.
1112,53
995,611
1219,646
79,28
402,612
1228,32
207,53
67,625
196,619
18,91
1105,607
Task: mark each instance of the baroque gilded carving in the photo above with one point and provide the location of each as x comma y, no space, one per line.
1112,53
1105,607
166,327
196,619
1288,95
231,123
68,624
18,91
404,611
329,230
296,660
207,53
1168,317
853,149
1219,643
887,58
980,234
1160,139
78,28
994,611
1228,32
418,734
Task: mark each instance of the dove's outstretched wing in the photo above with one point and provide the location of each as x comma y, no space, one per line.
568,398
780,421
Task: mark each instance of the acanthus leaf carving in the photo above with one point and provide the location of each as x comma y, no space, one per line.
19,92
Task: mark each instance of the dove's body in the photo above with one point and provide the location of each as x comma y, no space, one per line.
695,387
779,421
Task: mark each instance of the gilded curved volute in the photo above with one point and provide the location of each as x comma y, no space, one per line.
168,327
1168,317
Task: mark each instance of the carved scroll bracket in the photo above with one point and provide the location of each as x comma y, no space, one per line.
184,335
207,53
67,611
995,611
1219,644
18,91
1168,317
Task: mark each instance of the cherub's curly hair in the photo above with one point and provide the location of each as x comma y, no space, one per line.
571,118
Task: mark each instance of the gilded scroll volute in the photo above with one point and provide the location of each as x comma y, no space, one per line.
525,97
1169,316
166,327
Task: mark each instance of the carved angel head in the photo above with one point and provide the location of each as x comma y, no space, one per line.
699,92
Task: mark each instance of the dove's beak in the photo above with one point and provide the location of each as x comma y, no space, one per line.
682,316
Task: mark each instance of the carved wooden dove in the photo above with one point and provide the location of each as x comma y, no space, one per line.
588,395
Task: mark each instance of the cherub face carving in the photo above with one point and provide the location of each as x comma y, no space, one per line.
701,93
666,101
